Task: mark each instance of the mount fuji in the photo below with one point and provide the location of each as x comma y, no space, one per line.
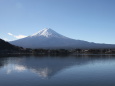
49,39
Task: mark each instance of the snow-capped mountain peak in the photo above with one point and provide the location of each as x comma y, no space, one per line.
49,39
47,32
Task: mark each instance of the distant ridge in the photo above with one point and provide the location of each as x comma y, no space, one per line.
49,39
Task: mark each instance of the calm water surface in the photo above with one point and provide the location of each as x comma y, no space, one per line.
57,71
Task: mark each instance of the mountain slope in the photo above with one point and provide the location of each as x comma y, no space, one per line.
48,38
7,46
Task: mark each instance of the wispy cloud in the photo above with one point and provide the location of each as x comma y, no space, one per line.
10,34
20,36
17,36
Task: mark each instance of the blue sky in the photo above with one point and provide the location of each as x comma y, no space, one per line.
90,20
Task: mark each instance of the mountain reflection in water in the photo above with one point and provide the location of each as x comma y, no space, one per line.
49,67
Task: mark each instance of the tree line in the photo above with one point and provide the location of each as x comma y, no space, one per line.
68,51
6,48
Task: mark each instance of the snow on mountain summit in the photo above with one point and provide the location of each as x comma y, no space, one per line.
47,32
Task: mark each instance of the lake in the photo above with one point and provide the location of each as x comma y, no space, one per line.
57,70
